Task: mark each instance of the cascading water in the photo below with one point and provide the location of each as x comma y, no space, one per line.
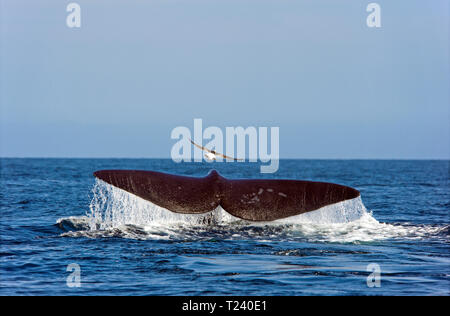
115,212
113,207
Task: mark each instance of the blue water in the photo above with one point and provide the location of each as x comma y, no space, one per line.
54,213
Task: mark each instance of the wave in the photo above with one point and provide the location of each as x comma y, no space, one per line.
117,213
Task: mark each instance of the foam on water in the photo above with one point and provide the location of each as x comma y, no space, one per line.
114,212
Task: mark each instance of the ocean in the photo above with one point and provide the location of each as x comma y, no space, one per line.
64,233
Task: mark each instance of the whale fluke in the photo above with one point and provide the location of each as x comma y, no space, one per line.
248,199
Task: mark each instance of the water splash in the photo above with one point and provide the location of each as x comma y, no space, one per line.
114,212
113,207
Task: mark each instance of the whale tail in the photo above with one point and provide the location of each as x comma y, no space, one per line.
248,199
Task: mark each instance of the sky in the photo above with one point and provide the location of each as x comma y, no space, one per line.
135,70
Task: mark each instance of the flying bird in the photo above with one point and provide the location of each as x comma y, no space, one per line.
211,154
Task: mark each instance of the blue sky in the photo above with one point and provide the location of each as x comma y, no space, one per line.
135,70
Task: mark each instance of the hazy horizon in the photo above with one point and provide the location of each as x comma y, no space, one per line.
168,158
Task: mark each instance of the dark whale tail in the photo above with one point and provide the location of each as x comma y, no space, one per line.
248,199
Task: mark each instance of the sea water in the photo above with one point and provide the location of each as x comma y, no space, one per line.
54,213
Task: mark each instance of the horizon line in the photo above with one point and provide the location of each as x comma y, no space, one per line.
168,158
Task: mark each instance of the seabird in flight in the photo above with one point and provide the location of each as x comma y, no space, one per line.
211,154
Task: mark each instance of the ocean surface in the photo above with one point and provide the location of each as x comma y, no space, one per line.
64,233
